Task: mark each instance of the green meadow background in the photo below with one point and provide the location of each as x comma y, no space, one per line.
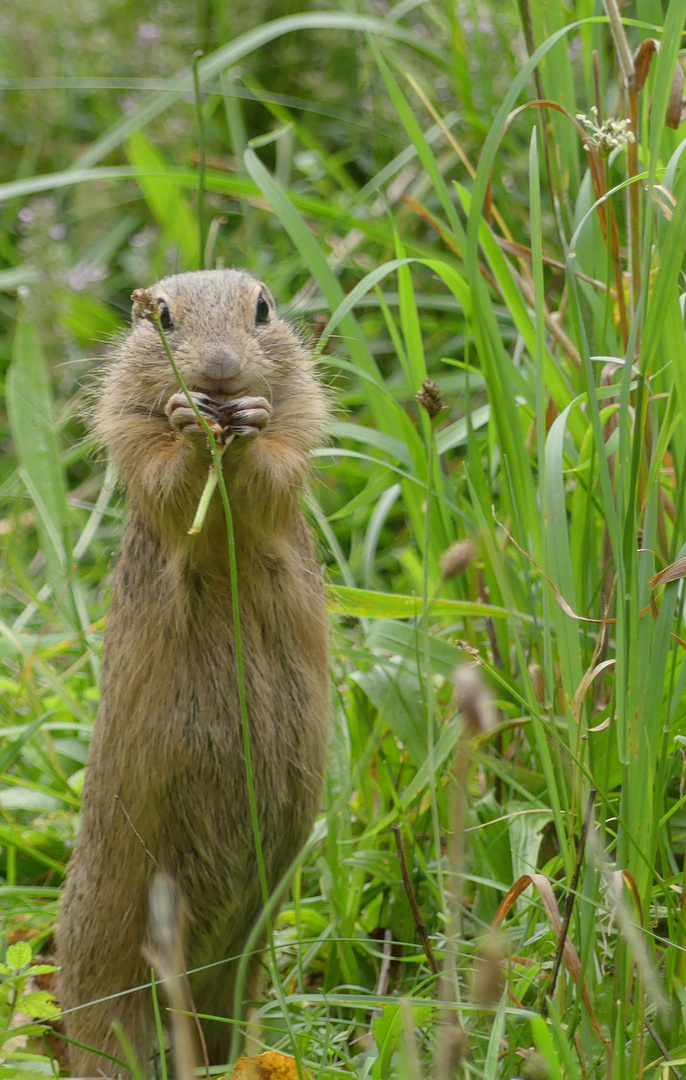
491,900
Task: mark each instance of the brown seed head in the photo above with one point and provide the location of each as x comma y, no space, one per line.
145,305
536,676
473,699
452,1048
457,558
430,397
535,1067
488,977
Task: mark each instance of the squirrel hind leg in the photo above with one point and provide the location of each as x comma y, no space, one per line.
92,1026
216,998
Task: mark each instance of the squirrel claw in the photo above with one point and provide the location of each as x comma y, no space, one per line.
245,416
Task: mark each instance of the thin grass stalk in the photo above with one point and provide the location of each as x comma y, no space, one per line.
575,308
412,1067
519,485
238,140
201,163
548,991
551,765
631,635
240,675
132,1062
412,899
449,985
535,218
165,953
527,26
615,521
490,147
248,772
645,714
541,391
634,219
158,1025
428,674
631,644
264,920
676,962
630,99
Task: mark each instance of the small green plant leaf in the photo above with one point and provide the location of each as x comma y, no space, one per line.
41,1005
18,955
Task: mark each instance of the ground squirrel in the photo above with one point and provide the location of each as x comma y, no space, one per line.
165,779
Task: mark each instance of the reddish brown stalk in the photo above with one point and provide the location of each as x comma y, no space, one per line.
410,893
571,895
630,97
607,221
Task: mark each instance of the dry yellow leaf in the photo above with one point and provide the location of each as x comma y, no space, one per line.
268,1066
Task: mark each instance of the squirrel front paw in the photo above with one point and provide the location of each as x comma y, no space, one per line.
246,416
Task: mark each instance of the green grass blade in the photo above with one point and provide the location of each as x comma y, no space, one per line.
31,415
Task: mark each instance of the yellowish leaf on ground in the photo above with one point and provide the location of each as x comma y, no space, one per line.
268,1066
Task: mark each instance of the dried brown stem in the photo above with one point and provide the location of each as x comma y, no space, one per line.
527,23
135,831
630,96
166,954
662,1048
416,913
597,88
382,982
571,895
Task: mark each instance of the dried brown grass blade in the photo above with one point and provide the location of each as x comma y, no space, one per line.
676,106
583,687
570,956
431,219
643,58
674,572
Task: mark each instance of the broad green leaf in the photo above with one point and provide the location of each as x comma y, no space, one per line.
365,603
167,205
377,520
405,639
40,1005
396,693
372,437
526,833
457,434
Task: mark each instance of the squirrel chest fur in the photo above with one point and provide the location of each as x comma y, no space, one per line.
165,779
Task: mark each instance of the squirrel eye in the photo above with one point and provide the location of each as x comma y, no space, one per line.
165,318
261,311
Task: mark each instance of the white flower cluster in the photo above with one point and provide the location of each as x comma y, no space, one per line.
608,135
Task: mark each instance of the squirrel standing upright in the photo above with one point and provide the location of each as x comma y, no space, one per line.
166,782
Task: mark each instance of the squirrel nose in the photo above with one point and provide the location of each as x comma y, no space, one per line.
220,363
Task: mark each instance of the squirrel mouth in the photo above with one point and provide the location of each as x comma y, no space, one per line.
221,389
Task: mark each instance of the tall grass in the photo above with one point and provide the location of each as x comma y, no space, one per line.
450,228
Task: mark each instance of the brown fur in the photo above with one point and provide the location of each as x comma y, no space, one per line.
165,769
